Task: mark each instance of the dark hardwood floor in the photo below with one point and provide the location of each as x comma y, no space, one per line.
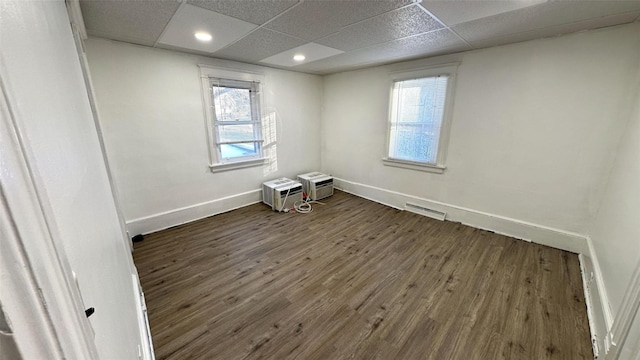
357,280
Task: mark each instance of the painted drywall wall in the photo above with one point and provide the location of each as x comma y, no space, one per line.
631,347
151,110
42,75
615,234
534,130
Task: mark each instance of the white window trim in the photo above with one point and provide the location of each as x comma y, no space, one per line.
413,165
439,167
237,165
206,73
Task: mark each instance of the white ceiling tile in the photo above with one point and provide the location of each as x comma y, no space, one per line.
427,44
258,45
365,29
311,51
541,16
339,62
190,19
390,26
456,12
423,45
314,19
140,22
558,30
253,11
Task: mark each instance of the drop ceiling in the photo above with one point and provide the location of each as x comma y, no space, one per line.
343,35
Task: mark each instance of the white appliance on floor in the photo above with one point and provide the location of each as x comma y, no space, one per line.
316,185
281,193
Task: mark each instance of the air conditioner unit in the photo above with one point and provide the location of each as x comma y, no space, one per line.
316,185
281,193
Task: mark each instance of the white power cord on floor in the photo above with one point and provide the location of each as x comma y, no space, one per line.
305,206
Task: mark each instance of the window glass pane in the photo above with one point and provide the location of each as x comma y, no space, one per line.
231,104
416,119
236,132
421,100
236,150
414,143
409,103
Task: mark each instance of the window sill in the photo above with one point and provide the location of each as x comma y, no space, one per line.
237,165
436,169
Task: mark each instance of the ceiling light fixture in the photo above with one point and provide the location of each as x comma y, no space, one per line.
203,36
299,57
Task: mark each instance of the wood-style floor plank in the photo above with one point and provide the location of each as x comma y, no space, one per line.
357,280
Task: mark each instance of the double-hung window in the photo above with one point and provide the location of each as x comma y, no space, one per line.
419,118
232,106
236,112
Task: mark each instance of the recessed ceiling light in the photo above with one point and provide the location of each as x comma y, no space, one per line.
203,36
299,57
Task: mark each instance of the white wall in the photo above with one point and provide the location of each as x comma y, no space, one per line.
615,233
631,346
150,105
42,75
534,130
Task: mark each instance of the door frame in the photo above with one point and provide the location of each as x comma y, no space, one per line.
40,298
79,35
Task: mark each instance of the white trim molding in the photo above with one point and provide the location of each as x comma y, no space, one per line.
598,310
625,316
608,333
527,231
412,165
602,309
587,282
146,348
37,285
167,219
79,35
237,165
75,15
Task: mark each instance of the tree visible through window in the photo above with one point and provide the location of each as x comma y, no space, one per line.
236,119
417,114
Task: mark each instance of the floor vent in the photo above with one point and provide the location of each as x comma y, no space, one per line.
421,210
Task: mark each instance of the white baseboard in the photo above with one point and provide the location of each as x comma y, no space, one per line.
536,233
167,219
592,298
598,307
145,348
606,308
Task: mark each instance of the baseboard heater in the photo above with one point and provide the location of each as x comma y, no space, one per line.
425,211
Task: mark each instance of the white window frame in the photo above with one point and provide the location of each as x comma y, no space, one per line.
207,73
443,140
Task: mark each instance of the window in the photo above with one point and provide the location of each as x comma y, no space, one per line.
232,108
236,119
419,119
